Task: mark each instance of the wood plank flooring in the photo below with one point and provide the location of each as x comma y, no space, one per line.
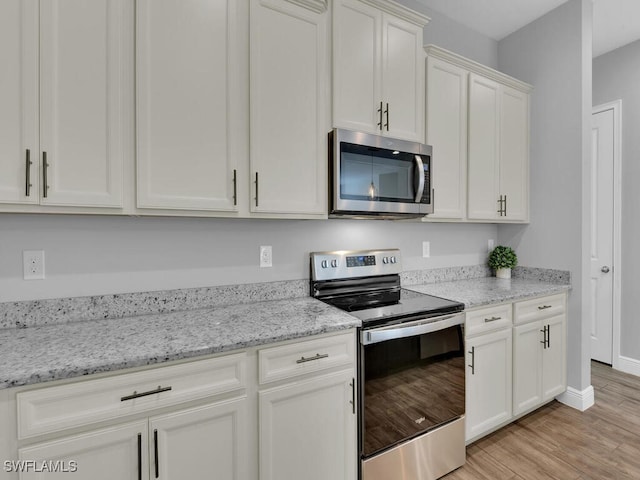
558,442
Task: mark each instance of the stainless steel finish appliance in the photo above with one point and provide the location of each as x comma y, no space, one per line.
410,366
378,176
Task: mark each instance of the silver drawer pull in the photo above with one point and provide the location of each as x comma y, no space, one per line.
544,307
492,319
144,394
317,356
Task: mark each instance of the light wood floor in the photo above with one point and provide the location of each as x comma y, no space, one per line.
558,442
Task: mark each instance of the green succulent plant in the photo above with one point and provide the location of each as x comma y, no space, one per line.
502,257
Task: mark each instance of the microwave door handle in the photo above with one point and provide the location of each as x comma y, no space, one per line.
420,173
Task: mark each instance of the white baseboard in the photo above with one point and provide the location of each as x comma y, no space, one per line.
628,365
580,400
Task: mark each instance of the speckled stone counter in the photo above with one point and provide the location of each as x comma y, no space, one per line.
52,352
476,292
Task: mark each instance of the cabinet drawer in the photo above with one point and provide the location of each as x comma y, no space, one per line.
538,308
51,409
487,319
304,357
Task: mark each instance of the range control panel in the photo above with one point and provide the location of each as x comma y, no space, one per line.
349,264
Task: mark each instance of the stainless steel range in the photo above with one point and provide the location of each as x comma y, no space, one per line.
410,366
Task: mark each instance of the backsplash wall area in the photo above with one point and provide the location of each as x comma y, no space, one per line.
93,255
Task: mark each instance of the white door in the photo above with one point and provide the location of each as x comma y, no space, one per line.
82,82
308,430
602,215
489,382
19,101
484,148
203,443
107,454
186,97
289,109
447,134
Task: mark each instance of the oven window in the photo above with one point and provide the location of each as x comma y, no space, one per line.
368,173
411,385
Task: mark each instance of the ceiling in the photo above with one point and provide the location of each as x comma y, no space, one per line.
615,22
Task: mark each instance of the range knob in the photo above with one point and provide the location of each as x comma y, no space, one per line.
324,264
334,263
392,259
385,260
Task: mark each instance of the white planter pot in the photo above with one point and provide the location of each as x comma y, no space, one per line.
503,273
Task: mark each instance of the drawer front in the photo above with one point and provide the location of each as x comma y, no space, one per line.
52,409
539,308
487,319
289,361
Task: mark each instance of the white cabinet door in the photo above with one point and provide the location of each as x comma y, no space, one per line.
488,382
402,79
107,454
289,52
527,366
554,368
82,72
357,92
447,134
308,430
484,148
514,152
203,443
19,101
186,95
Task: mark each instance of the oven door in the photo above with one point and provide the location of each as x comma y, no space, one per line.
412,380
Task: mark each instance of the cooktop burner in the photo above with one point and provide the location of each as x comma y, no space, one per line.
367,285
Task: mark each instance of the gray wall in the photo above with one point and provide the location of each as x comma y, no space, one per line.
616,75
88,255
453,36
554,55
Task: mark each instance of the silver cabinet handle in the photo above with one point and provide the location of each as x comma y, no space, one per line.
604,269
500,200
317,356
544,336
473,360
256,189
387,113
144,394
505,206
544,307
380,112
492,319
420,175
45,168
27,190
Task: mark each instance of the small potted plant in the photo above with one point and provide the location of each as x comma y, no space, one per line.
502,259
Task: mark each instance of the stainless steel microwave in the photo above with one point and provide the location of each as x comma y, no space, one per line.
376,176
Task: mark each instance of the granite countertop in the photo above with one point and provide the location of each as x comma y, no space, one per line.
477,292
53,352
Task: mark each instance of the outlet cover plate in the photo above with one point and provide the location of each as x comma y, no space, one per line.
426,249
33,264
266,256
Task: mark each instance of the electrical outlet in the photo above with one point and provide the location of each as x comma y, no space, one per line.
490,244
426,249
266,256
33,264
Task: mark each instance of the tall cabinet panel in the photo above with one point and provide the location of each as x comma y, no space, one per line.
289,58
81,106
447,134
186,73
19,101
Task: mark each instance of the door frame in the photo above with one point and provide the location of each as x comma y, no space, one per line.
616,107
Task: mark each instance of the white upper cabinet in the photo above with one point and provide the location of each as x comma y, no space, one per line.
378,74
187,96
65,117
289,106
478,126
447,134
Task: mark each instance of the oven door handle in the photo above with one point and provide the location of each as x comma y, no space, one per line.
411,329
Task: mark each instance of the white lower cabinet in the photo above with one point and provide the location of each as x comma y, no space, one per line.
488,358
307,430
